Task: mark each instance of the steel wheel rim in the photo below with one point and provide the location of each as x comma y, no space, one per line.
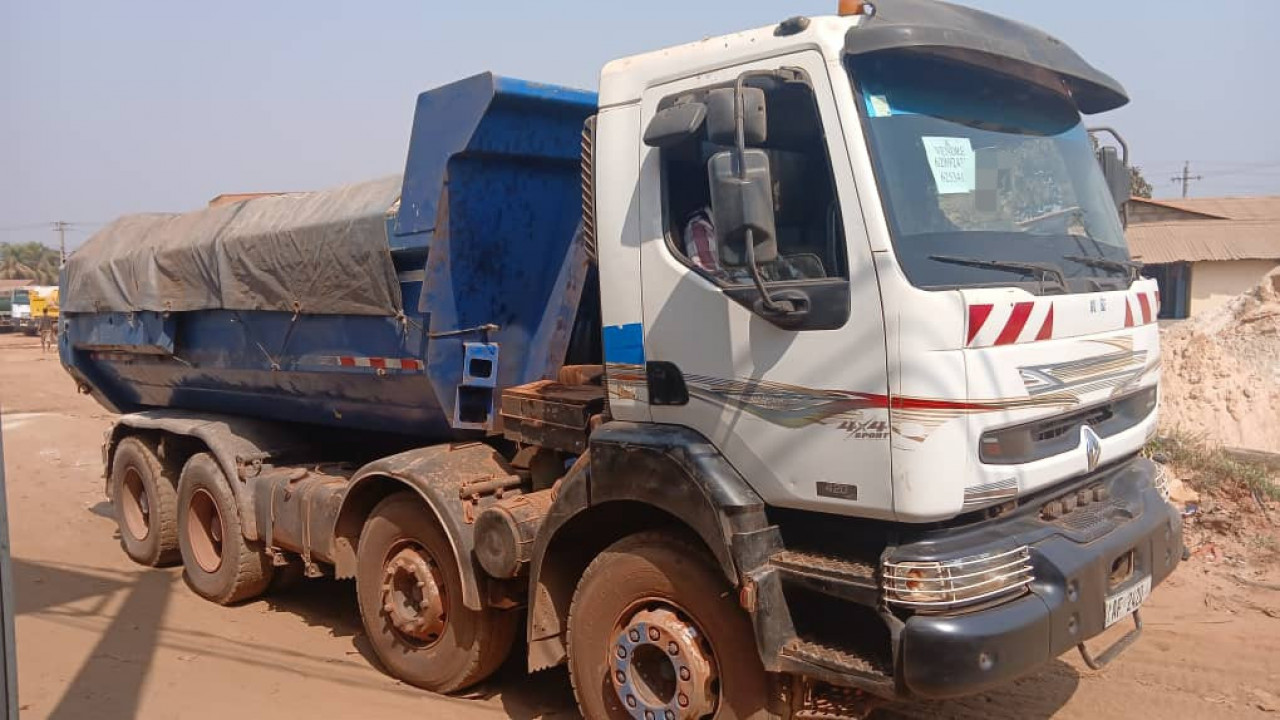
205,530
415,601
661,664
135,504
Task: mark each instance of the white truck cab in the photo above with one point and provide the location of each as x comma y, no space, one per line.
965,275
876,262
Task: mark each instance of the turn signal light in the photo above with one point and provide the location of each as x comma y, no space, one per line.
856,7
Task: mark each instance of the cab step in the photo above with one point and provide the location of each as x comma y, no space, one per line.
844,578
820,701
839,666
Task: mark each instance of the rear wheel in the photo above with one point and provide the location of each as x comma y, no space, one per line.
145,504
410,593
221,565
655,632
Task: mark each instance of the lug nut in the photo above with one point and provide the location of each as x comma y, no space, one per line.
631,701
621,677
683,700
635,636
684,674
622,652
673,648
654,634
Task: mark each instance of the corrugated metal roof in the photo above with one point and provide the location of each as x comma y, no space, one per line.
1200,240
1183,213
7,285
1232,208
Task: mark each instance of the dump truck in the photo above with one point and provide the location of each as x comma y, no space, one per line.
797,369
6,311
20,309
29,304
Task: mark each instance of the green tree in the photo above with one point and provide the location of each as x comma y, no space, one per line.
29,261
1138,185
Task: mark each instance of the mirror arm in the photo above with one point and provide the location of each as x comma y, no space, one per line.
770,305
739,112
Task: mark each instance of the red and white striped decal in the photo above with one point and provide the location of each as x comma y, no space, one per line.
998,324
376,363
1010,323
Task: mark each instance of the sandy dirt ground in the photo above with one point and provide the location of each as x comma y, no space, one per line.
99,637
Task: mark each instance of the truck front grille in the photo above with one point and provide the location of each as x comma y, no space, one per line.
1059,434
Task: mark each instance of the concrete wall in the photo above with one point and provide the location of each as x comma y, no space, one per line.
1214,284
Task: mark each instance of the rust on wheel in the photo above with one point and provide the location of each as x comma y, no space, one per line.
413,596
135,504
205,530
662,667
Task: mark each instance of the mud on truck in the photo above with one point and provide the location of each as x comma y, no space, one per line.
798,368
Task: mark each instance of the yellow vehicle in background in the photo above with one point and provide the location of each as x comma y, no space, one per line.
42,298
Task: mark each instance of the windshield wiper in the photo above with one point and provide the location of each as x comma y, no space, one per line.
1131,268
1022,268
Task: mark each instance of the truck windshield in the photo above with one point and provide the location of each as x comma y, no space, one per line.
987,180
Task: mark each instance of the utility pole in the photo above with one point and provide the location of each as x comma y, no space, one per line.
62,228
1186,177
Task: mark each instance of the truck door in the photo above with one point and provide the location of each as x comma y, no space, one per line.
800,411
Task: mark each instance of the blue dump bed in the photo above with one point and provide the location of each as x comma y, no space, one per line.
402,305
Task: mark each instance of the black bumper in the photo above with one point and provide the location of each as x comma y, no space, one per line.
954,655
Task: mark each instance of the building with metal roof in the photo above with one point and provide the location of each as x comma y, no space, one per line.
1204,251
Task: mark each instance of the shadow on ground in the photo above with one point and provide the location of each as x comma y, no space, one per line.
110,682
1036,697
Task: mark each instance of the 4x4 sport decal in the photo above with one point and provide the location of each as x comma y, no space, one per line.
1059,386
795,407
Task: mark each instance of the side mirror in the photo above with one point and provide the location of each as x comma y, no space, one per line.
742,204
674,125
722,120
1117,174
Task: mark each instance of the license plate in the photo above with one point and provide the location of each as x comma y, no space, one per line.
1122,604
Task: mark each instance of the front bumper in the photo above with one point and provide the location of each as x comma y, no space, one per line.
965,653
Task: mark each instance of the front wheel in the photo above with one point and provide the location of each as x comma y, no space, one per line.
656,632
410,592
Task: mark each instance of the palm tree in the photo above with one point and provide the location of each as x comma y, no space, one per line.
29,261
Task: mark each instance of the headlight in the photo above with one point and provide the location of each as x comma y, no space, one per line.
948,584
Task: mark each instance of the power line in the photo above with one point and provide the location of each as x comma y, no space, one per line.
1186,178
18,228
61,228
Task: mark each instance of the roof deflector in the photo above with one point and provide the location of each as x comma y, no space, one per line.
978,38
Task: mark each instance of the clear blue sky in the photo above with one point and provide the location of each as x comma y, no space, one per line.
115,107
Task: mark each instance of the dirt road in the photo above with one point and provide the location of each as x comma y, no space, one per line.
99,637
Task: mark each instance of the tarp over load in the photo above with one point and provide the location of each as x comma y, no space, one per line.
320,253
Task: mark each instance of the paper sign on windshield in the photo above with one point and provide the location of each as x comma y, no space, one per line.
952,162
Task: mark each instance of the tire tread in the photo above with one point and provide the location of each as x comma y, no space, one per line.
164,504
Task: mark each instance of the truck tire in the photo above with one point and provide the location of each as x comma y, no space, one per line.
410,594
654,631
219,563
145,504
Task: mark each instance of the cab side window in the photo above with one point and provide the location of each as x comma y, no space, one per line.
810,232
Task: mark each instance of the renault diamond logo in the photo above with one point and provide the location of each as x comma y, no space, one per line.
1092,446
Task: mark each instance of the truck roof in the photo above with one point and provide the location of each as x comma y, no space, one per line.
960,33
622,81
